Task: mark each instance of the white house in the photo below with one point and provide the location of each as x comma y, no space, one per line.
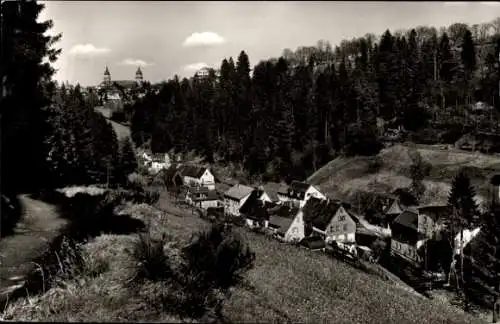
202,197
235,197
298,193
197,176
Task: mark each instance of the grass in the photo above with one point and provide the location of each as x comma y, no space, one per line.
287,284
343,177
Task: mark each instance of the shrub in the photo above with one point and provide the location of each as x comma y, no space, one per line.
151,261
215,261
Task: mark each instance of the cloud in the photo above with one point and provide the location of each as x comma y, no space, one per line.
203,39
194,66
88,50
135,62
492,3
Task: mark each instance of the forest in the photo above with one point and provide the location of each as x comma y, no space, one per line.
284,118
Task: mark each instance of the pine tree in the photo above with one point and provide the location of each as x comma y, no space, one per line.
128,160
24,102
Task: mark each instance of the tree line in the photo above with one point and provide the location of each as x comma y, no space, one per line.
286,117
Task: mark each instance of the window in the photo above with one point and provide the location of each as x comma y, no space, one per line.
342,218
345,227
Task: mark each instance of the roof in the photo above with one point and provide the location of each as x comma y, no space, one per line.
271,189
296,189
320,212
407,219
238,191
282,223
192,171
126,83
283,211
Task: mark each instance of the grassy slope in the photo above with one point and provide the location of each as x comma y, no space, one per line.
287,284
342,177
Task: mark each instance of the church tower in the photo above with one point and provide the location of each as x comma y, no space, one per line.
107,77
138,76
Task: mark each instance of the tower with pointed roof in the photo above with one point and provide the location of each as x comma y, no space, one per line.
107,77
138,76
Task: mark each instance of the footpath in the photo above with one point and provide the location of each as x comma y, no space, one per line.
39,226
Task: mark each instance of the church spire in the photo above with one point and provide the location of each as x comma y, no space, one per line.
107,77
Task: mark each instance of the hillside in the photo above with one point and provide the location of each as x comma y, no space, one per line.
287,284
343,177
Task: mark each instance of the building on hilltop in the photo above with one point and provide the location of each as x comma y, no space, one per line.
114,93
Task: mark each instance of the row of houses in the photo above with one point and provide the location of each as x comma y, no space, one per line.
300,212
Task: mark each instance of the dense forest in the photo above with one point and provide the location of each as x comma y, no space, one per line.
286,117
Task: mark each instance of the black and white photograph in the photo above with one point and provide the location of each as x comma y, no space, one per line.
250,161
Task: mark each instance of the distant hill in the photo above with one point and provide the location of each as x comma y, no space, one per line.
344,177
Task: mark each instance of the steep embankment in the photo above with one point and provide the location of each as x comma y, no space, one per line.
343,177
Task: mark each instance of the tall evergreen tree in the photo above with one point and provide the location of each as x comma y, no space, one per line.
24,102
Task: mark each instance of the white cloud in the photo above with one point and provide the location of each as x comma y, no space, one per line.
204,39
135,62
87,50
195,66
492,3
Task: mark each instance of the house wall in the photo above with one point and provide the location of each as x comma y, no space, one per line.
405,250
265,197
296,231
206,180
232,207
205,204
426,224
341,228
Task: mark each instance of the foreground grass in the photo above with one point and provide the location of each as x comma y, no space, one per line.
287,284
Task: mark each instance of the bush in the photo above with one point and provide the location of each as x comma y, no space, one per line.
215,261
151,261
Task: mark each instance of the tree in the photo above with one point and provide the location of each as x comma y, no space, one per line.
25,96
465,211
128,160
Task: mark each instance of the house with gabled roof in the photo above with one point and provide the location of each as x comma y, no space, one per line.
203,197
407,240
269,192
255,211
298,193
286,223
235,197
197,176
333,220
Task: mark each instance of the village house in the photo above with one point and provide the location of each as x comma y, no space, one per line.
235,197
197,176
255,211
156,161
407,240
202,197
298,193
285,222
269,192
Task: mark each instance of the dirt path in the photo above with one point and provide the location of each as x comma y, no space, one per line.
38,227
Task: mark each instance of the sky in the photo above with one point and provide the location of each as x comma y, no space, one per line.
169,37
